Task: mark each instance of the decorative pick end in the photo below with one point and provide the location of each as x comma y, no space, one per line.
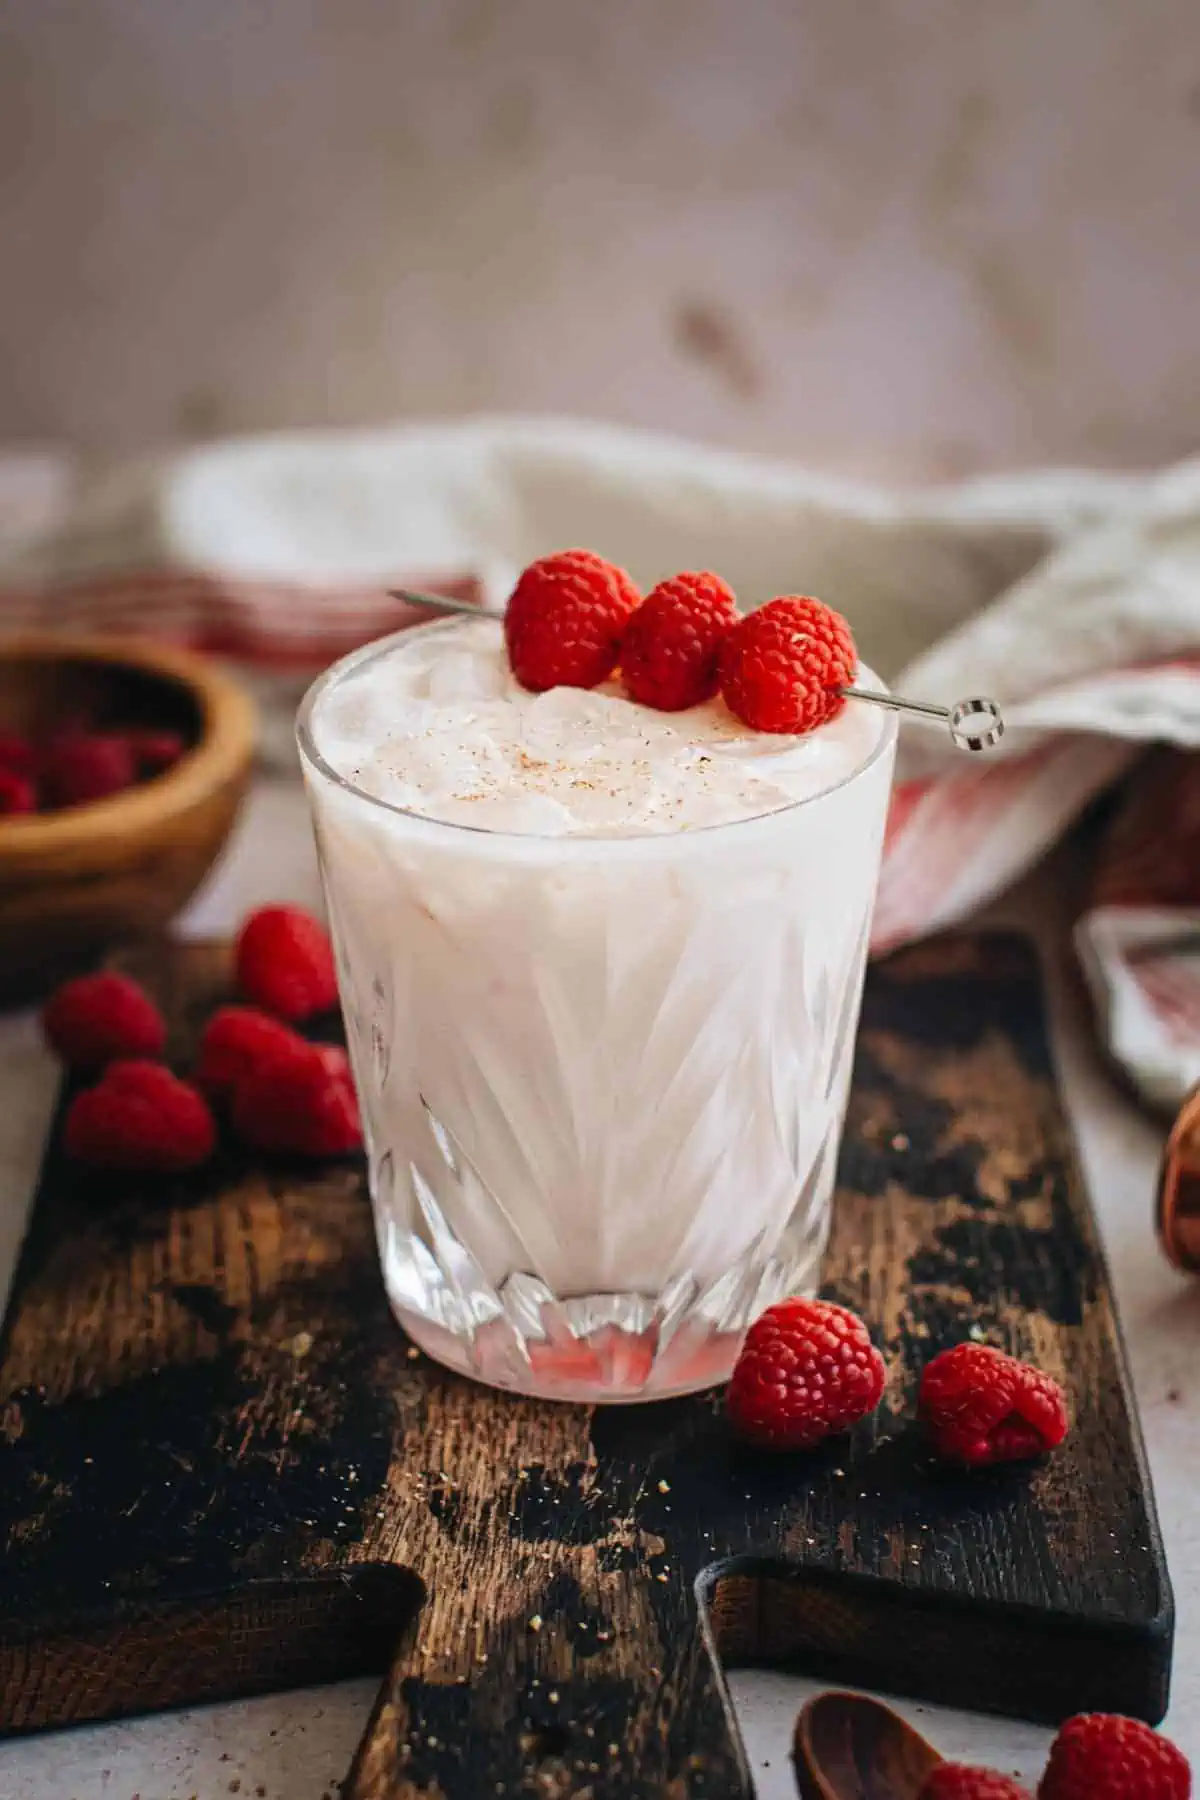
976,724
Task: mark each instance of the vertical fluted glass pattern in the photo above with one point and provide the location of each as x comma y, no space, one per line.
603,1081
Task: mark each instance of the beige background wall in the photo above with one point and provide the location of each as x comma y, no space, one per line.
903,236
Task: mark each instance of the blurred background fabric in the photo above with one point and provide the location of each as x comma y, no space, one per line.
1069,598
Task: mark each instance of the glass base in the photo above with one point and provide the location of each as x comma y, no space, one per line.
612,1368
598,1349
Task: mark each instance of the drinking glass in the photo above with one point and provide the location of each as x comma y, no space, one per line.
603,1079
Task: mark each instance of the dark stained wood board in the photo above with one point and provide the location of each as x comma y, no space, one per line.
222,1469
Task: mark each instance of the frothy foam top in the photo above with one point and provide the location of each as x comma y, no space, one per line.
438,724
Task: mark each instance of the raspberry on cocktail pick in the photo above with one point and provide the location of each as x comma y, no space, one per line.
820,676
671,647
564,620
790,665
786,666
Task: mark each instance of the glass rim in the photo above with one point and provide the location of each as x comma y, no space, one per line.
641,840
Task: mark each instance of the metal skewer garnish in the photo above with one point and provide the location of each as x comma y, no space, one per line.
974,724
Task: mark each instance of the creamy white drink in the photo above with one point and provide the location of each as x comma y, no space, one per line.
601,968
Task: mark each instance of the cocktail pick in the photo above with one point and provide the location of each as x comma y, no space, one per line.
973,724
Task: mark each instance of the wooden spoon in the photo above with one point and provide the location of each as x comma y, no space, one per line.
847,1747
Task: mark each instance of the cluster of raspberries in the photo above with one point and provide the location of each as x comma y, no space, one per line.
573,619
77,764
280,1092
808,1370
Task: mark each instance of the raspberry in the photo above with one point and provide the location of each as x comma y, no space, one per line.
285,962
1100,1757
672,644
335,1063
958,1781
807,1369
86,766
17,753
140,1117
781,666
981,1406
17,792
154,751
295,1105
97,1019
240,1041
564,621
236,1042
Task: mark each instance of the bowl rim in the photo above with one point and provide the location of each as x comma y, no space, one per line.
228,731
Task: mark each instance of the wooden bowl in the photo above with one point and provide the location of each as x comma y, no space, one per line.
77,882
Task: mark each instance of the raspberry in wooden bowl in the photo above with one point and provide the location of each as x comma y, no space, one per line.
123,764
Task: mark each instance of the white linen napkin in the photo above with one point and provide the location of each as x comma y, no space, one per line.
1071,597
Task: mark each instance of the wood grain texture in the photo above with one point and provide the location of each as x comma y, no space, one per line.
217,1453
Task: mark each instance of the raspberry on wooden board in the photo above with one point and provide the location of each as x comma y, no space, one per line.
284,963
236,1042
140,1117
96,1019
981,1406
300,1105
807,1370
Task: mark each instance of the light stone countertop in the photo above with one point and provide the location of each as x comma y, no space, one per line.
295,1746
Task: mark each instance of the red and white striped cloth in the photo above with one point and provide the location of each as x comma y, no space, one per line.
288,627
1073,599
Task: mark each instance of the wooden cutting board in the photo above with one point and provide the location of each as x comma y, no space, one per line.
223,1470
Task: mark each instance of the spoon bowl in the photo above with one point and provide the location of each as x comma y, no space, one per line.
848,1747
